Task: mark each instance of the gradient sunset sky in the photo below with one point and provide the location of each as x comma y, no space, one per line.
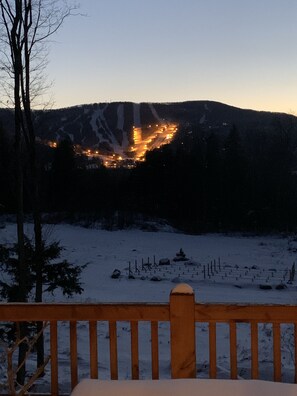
239,52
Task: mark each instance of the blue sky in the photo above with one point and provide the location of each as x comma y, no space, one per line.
239,52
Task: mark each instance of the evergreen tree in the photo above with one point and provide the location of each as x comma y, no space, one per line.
64,173
213,176
7,199
57,274
234,180
281,178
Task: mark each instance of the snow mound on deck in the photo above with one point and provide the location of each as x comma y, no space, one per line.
189,387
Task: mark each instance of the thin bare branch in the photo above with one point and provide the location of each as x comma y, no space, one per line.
11,373
34,377
32,343
40,19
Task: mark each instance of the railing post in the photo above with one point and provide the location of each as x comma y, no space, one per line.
182,332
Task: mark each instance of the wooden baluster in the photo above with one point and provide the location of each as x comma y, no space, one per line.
134,350
254,350
233,350
54,358
295,350
155,350
277,352
212,350
73,354
113,349
93,350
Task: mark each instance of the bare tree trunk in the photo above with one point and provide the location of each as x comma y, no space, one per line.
39,268
22,295
21,254
27,25
38,254
30,131
20,215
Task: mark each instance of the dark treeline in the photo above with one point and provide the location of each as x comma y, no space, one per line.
203,181
210,182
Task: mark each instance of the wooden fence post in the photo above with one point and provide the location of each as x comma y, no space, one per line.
182,332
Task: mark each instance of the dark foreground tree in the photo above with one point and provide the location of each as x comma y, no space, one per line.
56,274
25,26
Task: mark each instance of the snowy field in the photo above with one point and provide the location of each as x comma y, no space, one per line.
220,269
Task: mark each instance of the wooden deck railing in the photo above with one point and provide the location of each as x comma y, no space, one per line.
182,313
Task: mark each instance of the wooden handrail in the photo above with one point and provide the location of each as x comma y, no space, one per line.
181,312
13,312
262,313
20,312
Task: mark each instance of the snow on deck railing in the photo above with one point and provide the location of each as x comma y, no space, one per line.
182,313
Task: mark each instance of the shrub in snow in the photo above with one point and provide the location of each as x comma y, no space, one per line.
156,279
164,261
281,286
265,287
116,274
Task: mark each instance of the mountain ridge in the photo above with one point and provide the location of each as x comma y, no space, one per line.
112,127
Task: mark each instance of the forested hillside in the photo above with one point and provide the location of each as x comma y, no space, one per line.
205,180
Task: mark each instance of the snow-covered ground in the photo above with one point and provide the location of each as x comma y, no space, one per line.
233,268
106,251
